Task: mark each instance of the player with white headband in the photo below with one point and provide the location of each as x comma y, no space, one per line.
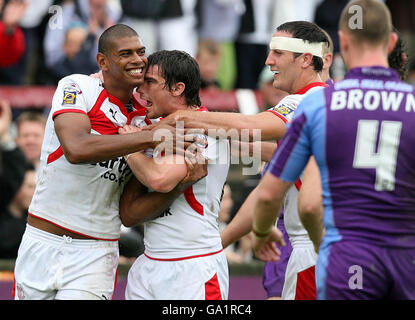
297,66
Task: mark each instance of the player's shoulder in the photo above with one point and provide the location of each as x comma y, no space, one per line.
79,82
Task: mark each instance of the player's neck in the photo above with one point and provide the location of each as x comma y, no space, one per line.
367,58
122,93
304,80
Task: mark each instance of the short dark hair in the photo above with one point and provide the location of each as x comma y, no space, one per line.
307,31
115,32
178,66
396,59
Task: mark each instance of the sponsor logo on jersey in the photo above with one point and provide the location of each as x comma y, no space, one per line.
284,109
69,97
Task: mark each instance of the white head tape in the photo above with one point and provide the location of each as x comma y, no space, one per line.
297,45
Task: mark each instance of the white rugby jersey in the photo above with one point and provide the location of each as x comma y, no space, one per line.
285,110
83,198
190,227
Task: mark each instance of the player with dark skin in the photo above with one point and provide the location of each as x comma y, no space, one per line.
123,62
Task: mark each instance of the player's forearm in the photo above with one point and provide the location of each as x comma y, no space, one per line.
95,148
241,224
137,206
267,150
160,174
266,213
224,124
270,196
313,223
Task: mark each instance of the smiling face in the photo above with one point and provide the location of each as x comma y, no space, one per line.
155,91
126,62
285,66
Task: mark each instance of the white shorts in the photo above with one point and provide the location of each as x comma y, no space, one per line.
54,267
299,281
202,278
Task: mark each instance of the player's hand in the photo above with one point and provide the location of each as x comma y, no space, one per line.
98,75
176,119
196,170
128,129
265,248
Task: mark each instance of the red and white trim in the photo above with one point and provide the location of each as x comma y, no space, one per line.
212,289
76,232
184,258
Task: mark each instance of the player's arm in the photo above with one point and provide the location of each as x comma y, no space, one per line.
241,224
272,127
270,196
161,174
80,146
137,205
261,149
310,206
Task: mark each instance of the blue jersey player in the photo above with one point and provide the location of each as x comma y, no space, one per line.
360,133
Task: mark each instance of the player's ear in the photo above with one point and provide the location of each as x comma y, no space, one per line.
327,60
102,62
178,89
343,41
392,41
307,60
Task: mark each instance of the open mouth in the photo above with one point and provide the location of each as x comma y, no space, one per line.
135,73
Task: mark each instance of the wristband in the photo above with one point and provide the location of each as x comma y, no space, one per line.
261,234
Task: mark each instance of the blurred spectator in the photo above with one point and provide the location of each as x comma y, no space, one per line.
293,10
327,17
403,17
398,58
131,243
142,16
220,21
11,37
251,46
242,253
270,94
78,48
97,14
33,22
13,220
12,160
177,27
30,131
208,58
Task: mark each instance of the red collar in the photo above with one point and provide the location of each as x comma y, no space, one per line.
311,85
202,109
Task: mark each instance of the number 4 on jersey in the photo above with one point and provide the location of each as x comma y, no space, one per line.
384,161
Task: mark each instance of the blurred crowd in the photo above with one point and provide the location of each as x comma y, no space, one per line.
42,41
49,39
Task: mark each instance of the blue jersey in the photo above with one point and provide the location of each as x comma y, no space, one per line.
361,133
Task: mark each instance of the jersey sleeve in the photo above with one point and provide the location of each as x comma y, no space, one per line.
285,109
70,96
296,146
